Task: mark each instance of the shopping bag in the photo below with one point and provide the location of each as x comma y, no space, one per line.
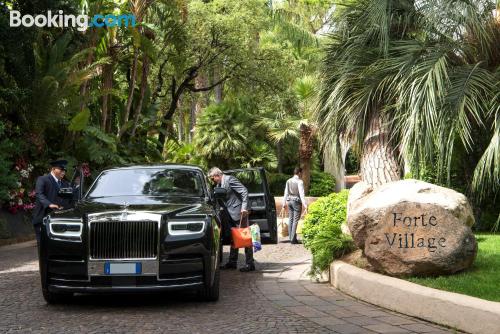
241,237
283,225
255,231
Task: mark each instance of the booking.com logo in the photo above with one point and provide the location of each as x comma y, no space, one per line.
81,22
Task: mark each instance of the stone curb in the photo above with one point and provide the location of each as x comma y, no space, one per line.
458,311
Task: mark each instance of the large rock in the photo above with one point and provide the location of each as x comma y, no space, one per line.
411,227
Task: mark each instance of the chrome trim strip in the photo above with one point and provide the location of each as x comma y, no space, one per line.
53,287
96,268
64,235
67,280
185,232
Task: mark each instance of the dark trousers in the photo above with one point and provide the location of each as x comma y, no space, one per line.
233,253
294,212
38,231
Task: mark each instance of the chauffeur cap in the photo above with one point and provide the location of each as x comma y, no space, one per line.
59,164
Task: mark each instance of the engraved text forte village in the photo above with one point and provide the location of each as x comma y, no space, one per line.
409,240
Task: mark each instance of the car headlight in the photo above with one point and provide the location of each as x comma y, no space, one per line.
67,229
186,227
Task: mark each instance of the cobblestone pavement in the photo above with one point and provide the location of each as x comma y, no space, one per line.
277,298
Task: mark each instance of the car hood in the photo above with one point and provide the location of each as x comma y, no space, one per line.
170,206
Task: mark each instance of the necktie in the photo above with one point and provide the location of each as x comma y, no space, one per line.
59,183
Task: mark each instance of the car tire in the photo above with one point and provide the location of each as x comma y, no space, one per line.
211,294
56,298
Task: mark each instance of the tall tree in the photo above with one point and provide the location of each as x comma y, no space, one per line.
425,78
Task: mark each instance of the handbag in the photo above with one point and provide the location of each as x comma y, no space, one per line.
241,236
283,225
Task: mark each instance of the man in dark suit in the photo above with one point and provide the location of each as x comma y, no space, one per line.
47,189
236,205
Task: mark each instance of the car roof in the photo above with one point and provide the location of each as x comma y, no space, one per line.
155,166
244,169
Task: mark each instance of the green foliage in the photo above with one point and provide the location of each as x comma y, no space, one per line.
7,178
223,133
182,153
434,86
277,183
226,137
322,231
351,163
489,219
322,184
80,121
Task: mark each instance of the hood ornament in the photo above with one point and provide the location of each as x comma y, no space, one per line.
124,214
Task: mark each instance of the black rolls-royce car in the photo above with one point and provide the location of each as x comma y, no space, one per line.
143,228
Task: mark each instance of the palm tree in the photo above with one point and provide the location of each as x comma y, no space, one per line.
279,126
223,133
352,98
304,90
416,79
301,23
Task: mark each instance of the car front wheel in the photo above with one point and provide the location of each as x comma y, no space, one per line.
56,298
211,293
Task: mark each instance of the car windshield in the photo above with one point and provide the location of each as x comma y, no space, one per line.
147,182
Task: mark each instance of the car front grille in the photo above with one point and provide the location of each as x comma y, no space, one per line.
123,240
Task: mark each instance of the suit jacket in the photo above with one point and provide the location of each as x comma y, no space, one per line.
46,190
237,196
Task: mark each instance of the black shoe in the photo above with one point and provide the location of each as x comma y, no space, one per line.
295,242
248,268
228,266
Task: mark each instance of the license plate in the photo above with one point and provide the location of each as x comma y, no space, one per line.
111,268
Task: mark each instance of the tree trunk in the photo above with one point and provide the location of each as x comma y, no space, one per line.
180,129
192,116
200,100
279,155
144,85
107,86
88,62
305,154
133,75
379,163
219,89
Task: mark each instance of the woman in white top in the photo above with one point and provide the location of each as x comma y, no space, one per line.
294,195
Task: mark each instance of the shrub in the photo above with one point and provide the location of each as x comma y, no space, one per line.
8,179
322,231
277,183
322,184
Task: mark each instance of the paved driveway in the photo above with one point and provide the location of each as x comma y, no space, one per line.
278,298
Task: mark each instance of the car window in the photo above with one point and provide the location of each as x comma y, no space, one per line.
251,179
148,182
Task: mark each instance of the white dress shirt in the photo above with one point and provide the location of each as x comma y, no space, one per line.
55,178
300,185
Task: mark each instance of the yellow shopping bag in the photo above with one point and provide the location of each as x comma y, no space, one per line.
283,226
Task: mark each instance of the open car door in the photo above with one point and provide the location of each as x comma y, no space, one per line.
261,205
74,193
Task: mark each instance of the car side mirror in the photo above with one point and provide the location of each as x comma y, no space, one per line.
66,192
220,193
